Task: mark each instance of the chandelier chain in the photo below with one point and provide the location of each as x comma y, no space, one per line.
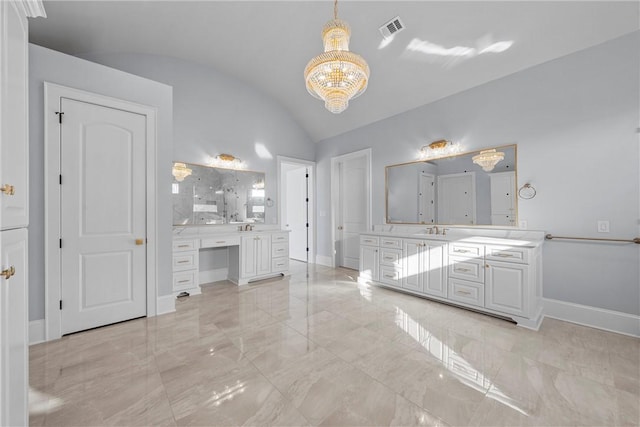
335,9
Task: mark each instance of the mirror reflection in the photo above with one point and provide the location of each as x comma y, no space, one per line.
209,195
465,189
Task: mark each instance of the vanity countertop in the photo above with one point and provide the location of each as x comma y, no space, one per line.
207,234
522,238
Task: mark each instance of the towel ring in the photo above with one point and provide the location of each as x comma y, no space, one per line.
527,192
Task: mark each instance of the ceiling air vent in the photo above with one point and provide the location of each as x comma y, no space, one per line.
392,27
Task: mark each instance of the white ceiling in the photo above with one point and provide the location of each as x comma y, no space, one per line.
268,43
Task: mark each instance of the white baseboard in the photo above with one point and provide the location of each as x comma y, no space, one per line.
166,304
324,260
36,331
209,276
608,320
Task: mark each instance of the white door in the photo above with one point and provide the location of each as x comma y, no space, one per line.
13,105
296,184
352,211
103,200
457,199
426,198
14,368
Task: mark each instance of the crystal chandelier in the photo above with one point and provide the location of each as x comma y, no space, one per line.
337,75
180,171
488,159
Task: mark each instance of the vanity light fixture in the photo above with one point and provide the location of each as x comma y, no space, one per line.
488,159
227,161
337,75
440,148
180,171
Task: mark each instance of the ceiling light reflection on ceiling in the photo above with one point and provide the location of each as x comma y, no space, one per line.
428,48
386,42
262,151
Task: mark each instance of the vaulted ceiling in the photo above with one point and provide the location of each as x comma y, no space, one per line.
441,51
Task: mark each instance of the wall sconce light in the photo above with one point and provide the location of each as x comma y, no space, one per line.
440,148
227,161
180,171
488,159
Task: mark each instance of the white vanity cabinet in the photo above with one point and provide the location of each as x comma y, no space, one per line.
255,256
499,279
369,262
185,266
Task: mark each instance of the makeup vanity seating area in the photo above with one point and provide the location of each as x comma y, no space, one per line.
252,255
498,272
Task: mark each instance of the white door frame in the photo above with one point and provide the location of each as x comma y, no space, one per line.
52,220
312,199
335,187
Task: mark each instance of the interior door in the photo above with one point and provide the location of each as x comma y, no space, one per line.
352,210
457,199
296,184
103,257
426,198
14,368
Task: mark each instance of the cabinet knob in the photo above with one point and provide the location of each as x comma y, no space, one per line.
139,242
7,189
7,273
487,266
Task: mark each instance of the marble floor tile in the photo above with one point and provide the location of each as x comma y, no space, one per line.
317,348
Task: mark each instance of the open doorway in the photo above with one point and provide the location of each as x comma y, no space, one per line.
296,206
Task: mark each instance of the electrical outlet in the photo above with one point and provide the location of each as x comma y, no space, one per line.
522,224
603,226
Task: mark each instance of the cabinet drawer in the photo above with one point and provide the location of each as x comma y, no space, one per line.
185,260
216,242
390,276
391,257
467,269
389,242
185,280
185,245
369,240
466,250
280,250
467,292
508,254
280,237
279,265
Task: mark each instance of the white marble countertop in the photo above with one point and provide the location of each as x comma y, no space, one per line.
183,233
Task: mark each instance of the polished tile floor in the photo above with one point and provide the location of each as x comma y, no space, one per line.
319,349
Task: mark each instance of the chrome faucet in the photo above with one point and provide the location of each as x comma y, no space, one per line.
437,231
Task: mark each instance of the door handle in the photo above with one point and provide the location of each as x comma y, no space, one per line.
7,189
139,242
7,273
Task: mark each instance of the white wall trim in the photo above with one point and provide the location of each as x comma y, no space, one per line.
324,260
166,304
335,187
33,8
52,95
36,331
608,320
215,275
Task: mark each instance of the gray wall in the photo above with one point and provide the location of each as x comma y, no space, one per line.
51,66
214,113
574,120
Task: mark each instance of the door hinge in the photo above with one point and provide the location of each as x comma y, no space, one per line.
59,114
60,179
307,225
60,243
306,175
60,304
307,200
307,249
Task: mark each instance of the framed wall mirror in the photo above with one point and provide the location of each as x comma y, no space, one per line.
205,195
454,190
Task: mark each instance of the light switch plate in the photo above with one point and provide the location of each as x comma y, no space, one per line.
522,224
603,226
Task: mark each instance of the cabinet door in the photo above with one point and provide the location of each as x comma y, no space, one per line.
248,257
14,147
414,264
434,282
506,287
263,254
369,263
13,329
